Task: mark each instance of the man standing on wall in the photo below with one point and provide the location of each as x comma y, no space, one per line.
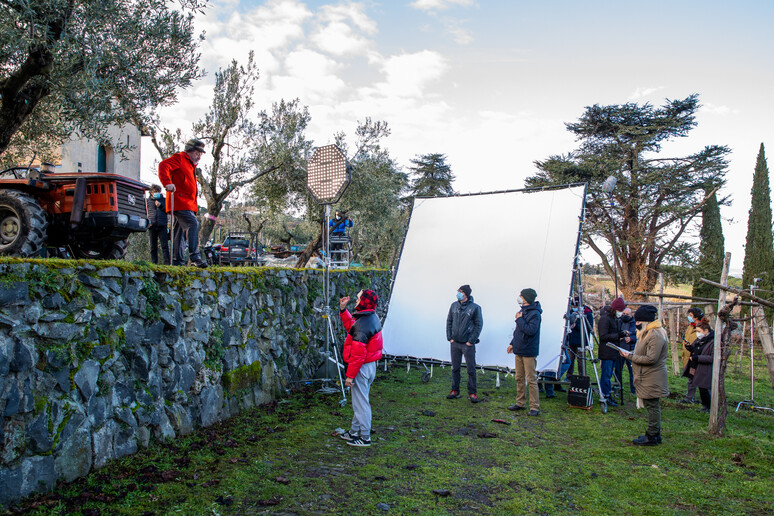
178,175
525,344
463,326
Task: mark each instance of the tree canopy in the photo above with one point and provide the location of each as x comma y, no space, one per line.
711,249
432,177
759,245
80,66
656,197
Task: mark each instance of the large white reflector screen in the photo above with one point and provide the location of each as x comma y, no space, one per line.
498,243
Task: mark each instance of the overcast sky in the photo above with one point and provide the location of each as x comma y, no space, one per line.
490,84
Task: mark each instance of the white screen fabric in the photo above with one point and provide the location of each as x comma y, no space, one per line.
498,243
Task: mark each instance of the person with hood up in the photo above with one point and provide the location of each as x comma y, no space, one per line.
611,330
362,348
525,344
463,327
650,371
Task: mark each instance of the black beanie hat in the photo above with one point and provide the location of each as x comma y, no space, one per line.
529,295
646,313
466,290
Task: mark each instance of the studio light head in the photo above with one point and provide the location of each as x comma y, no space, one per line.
328,174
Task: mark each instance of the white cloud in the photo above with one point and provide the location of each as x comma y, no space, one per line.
344,30
407,75
641,92
436,5
712,109
461,36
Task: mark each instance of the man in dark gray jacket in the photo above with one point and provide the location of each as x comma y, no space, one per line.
463,326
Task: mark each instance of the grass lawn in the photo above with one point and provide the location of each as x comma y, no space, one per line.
283,459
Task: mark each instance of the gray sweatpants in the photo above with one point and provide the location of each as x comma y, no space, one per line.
361,421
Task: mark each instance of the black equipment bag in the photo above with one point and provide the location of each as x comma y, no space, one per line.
580,391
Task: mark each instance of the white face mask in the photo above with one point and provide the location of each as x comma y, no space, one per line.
522,302
618,314
700,335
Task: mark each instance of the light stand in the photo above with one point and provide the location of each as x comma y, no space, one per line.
751,401
328,176
608,186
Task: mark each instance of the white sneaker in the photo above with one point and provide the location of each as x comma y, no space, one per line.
359,441
347,436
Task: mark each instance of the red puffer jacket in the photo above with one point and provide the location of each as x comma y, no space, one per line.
179,170
364,339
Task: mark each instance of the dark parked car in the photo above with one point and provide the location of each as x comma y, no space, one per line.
236,250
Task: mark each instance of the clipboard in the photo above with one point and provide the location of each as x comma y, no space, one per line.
610,344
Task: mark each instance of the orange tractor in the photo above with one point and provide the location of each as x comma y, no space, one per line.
79,215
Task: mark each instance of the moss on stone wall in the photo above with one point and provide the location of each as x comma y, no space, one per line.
241,378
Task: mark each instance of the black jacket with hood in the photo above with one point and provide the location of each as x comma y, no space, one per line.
464,322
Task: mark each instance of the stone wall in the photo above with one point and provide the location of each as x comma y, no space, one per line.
96,361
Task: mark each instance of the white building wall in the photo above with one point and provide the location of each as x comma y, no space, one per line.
80,155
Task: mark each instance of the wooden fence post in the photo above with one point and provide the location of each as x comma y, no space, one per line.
714,427
764,334
676,355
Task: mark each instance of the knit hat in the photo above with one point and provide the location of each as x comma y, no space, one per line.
465,290
618,304
646,313
529,295
368,301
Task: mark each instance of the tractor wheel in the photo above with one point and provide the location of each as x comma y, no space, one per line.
99,250
22,224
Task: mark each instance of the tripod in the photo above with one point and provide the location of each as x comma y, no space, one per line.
587,345
751,402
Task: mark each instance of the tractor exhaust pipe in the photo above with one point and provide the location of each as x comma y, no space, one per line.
79,198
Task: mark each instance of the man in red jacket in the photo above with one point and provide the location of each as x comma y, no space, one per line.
178,175
362,348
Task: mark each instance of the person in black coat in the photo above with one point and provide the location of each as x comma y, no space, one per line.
575,338
610,329
463,327
628,343
525,344
157,224
699,365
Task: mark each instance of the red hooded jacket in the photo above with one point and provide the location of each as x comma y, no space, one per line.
179,170
364,339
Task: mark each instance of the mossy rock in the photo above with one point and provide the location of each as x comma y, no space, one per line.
241,378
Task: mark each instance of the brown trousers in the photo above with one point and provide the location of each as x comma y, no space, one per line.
526,376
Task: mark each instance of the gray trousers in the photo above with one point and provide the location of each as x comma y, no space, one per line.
653,407
361,421
690,391
458,350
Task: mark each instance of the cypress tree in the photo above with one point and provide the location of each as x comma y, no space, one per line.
711,249
759,248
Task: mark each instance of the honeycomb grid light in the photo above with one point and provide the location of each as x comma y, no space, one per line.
328,174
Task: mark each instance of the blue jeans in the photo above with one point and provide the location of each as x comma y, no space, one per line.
186,223
604,382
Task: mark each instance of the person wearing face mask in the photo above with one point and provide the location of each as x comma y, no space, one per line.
610,328
178,175
525,344
362,348
574,339
695,315
157,225
628,342
699,367
463,327
651,378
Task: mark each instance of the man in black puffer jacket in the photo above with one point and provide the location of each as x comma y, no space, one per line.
463,326
611,330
